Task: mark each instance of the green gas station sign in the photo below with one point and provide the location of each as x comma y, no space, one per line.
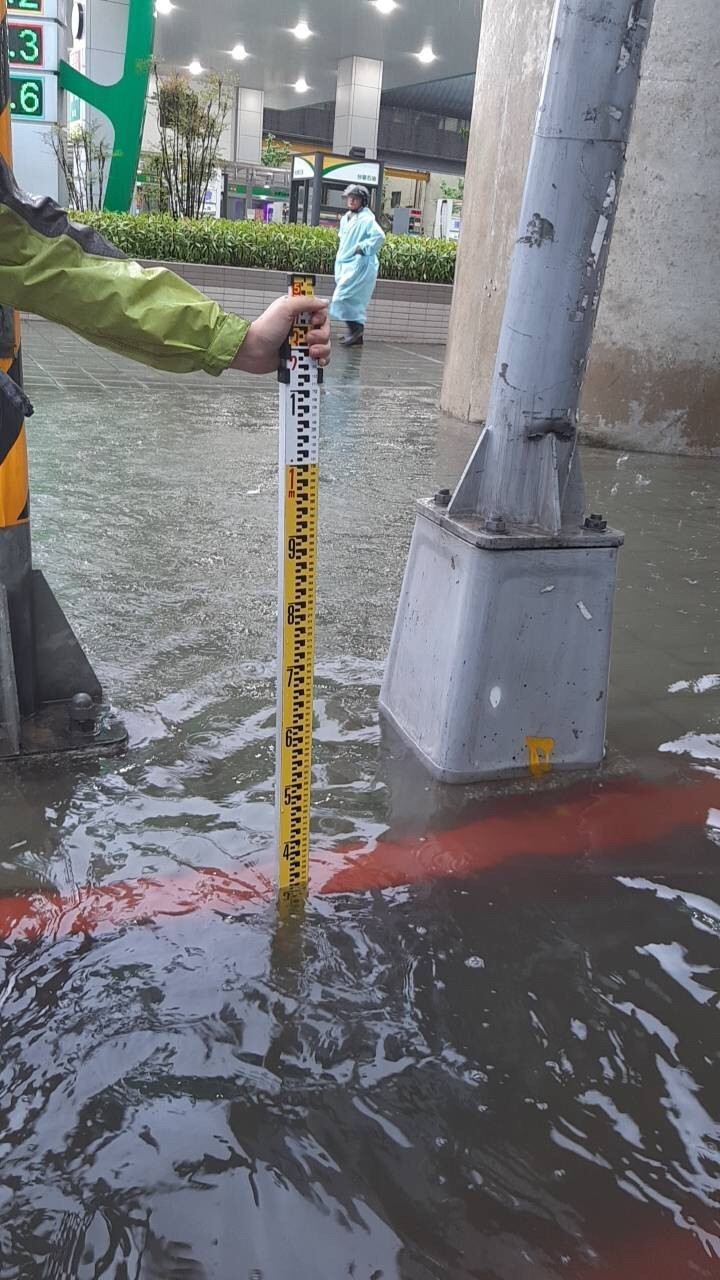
260,193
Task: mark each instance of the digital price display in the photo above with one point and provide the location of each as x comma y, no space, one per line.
25,6
27,97
25,44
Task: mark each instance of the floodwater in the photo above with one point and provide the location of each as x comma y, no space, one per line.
490,1047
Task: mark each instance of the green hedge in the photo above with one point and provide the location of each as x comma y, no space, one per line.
266,246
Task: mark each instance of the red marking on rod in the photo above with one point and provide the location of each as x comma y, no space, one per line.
622,819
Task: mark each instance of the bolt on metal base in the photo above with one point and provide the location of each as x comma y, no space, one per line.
56,730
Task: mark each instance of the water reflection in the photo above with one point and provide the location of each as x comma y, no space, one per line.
359,1085
491,1051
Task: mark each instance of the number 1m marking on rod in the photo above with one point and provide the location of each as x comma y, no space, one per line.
299,378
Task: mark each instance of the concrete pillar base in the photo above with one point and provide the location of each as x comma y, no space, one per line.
500,656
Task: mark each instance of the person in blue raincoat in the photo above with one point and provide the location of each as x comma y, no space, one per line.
356,265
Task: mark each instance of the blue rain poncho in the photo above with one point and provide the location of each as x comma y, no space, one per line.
356,272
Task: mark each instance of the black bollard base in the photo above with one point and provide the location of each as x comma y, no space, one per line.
70,716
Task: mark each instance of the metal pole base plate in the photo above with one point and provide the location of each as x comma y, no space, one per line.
54,730
499,660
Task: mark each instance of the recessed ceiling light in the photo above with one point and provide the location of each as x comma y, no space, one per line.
301,85
195,68
301,31
385,6
239,53
426,54
164,6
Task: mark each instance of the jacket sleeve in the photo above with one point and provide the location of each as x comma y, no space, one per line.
372,238
68,273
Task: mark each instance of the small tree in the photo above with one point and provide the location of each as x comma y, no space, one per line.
453,193
152,193
191,123
83,158
275,152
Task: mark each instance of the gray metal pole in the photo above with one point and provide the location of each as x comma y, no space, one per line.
500,654
525,469
317,186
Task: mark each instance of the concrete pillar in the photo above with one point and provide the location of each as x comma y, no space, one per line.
106,26
357,106
511,61
249,127
653,380
654,375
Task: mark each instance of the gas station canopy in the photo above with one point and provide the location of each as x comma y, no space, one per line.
277,59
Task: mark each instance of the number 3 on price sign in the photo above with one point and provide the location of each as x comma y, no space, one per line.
25,44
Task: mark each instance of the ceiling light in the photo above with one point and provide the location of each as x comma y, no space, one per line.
426,54
164,6
385,6
301,31
239,53
195,68
301,85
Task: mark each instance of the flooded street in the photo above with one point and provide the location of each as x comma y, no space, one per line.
490,1049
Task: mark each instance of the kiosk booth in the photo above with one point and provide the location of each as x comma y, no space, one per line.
317,184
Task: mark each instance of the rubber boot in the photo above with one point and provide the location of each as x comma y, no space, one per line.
355,335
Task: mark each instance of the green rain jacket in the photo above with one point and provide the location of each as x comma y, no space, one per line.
66,272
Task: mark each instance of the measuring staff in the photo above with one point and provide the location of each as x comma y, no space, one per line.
299,377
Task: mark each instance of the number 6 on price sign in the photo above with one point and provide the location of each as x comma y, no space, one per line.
27,100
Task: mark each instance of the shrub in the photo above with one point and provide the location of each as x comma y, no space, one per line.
268,246
190,119
275,151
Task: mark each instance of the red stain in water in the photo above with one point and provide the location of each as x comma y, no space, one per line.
622,818
662,1255
619,819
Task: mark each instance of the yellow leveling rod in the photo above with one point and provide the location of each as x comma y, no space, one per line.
299,378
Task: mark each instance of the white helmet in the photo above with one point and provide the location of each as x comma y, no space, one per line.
361,192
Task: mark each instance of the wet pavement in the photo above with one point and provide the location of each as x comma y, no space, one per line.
490,1047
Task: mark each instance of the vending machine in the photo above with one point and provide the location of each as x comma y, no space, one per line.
448,220
407,222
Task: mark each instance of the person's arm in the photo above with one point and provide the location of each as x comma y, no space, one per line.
372,239
68,273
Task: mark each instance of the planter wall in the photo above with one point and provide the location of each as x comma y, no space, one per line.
400,311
